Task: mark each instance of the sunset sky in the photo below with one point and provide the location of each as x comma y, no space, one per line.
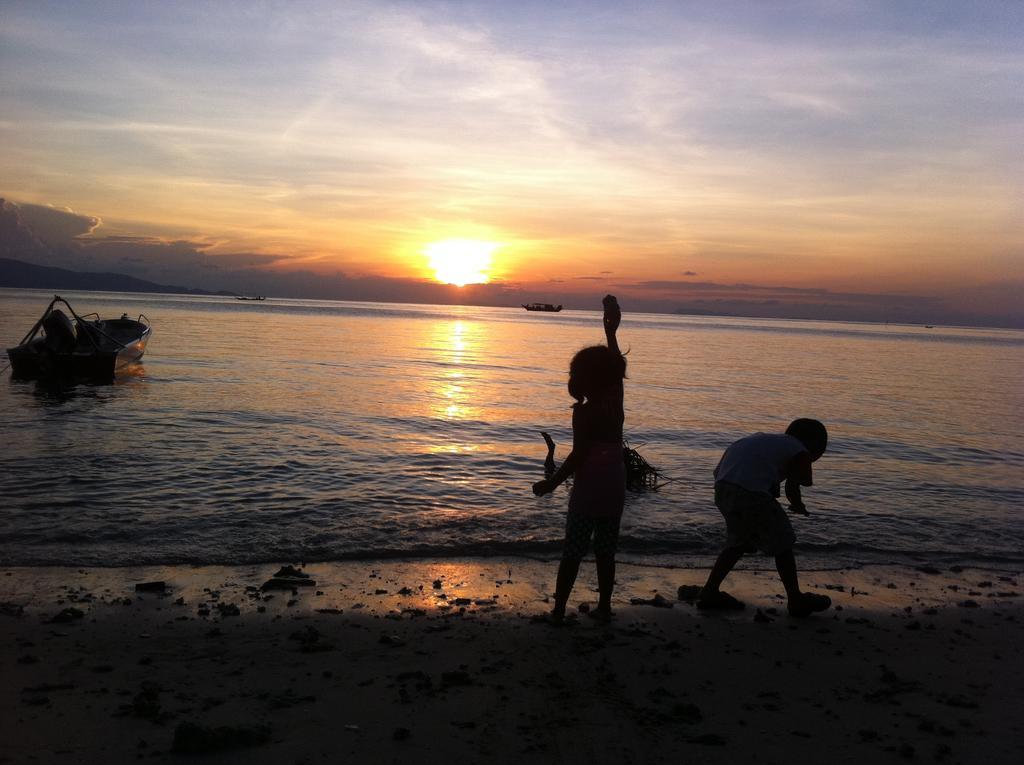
684,155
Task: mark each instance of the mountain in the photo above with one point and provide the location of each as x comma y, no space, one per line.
17,273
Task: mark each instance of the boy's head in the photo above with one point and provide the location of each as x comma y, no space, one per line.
594,370
811,434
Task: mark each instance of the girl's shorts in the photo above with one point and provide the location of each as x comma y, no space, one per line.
580,528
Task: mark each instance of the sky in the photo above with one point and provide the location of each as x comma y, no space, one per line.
830,159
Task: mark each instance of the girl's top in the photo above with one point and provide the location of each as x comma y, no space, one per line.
599,481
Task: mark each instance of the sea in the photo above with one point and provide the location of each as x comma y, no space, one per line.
308,431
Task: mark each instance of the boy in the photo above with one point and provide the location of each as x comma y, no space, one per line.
746,486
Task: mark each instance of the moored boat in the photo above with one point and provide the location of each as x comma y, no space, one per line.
78,347
542,307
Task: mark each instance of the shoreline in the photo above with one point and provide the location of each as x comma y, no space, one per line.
392,660
945,563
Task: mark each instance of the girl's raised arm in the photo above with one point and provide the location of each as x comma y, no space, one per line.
612,317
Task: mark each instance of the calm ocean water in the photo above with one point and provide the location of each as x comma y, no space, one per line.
307,430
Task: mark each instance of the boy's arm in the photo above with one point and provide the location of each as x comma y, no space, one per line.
612,318
799,474
796,503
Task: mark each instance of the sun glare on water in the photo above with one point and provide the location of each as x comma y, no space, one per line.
461,261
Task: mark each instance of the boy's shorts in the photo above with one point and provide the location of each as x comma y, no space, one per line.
753,521
578,530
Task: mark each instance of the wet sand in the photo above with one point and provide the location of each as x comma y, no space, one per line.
444,661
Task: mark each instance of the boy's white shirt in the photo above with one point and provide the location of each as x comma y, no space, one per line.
757,462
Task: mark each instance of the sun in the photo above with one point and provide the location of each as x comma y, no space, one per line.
461,261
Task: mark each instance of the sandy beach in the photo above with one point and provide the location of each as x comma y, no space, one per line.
434,661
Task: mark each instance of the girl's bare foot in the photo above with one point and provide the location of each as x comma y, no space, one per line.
600,614
557,615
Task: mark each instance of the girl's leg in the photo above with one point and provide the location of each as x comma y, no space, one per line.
605,581
577,538
568,568
606,539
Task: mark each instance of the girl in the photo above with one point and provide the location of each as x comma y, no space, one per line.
599,484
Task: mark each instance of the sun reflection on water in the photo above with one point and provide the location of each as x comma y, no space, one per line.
458,344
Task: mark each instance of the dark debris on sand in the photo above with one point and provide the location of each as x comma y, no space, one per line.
288,578
192,738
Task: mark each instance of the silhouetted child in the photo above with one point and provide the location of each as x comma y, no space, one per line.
746,487
595,462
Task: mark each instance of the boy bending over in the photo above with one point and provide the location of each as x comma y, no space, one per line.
746,487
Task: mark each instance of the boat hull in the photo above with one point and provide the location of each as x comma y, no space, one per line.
36,361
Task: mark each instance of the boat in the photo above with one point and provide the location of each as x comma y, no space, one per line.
78,347
254,297
542,307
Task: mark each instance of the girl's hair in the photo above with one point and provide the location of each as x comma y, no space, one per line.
594,370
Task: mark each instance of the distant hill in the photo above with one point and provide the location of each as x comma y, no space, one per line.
17,273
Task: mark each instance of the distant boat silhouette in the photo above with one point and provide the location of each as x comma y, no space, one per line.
542,307
255,297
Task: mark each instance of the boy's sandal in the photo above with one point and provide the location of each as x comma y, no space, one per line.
719,601
809,603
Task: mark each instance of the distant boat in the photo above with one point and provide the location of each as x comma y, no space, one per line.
254,297
81,348
542,307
